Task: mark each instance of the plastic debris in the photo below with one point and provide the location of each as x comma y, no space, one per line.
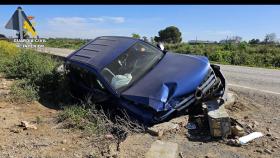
191,125
249,137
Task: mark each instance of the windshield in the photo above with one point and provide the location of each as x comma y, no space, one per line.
131,65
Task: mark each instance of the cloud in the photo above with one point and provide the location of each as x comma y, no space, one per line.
84,27
113,19
67,21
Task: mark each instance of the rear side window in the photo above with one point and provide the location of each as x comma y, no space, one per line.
85,77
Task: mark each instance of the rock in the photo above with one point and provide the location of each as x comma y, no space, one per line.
109,136
181,121
160,149
267,151
259,151
161,128
63,149
268,134
27,125
246,117
233,142
181,155
64,141
237,131
268,129
256,123
160,134
15,130
275,146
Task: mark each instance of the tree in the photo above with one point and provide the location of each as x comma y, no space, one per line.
270,38
254,41
135,35
235,39
170,34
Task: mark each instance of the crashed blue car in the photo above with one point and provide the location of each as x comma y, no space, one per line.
149,82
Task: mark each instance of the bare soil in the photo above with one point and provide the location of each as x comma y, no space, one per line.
50,139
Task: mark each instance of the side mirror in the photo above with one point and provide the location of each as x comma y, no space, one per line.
161,46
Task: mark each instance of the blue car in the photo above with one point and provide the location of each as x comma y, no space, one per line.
149,82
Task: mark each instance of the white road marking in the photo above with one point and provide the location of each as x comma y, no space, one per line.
235,85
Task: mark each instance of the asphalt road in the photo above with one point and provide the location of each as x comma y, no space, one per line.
261,80
257,79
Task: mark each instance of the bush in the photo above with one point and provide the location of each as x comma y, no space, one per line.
236,54
38,77
7,52
22,91
8,49
30,65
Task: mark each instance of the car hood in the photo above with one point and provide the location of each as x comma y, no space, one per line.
175,75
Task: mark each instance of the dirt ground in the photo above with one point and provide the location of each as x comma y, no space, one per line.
49,140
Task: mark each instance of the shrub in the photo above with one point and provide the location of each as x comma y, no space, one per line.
75,115
30,65
7,52
22,91
8,49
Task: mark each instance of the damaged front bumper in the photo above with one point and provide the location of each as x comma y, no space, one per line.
212,87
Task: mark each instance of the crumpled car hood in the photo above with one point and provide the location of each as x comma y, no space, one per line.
174,76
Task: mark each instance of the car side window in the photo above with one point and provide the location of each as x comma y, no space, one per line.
86,78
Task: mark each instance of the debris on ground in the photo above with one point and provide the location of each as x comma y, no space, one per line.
169,126
237,131
245,139
219,120
233,142
27,125
191,125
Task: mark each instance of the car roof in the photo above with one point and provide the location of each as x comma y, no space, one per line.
102,50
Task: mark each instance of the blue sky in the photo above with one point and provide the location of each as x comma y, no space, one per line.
204,22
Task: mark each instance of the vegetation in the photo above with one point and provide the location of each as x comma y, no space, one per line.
65,43
259,55
170,34
34,72
22,91
135,35
7,52
93,119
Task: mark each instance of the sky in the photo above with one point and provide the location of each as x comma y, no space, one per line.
202,22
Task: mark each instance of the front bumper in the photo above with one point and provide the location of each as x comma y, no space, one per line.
212,87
